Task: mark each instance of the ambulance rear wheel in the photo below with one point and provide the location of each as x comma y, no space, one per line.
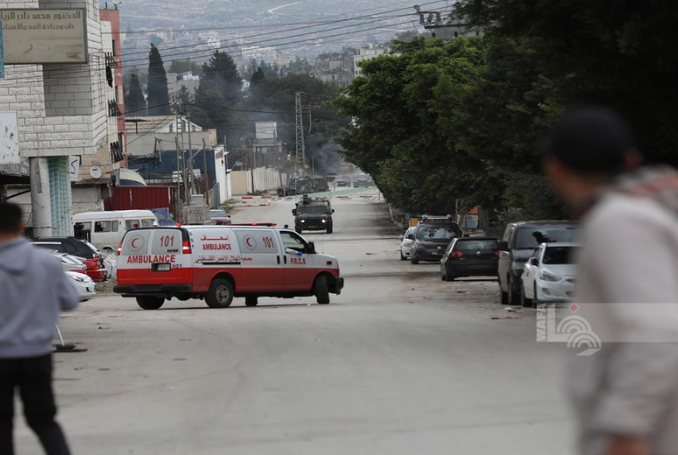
252,300
220,294
150,302
321,290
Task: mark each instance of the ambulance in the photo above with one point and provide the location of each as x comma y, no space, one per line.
218,263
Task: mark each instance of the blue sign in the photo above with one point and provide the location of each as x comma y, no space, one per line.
2,56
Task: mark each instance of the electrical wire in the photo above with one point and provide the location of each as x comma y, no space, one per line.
91,68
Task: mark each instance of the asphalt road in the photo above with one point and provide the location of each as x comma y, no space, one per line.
400,363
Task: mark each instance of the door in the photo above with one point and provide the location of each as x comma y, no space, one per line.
167,264
299,265
262,268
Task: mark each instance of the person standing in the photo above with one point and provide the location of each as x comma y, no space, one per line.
33,290
626,395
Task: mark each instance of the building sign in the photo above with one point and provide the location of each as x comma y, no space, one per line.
44,36
2,56
9,139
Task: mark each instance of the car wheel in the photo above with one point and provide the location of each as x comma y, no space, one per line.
330,230
251,300
524,301
402,256
220,294
414,261
535,300
321,290
504,295
299,230
150,302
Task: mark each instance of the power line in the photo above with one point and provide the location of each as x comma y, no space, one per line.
91,68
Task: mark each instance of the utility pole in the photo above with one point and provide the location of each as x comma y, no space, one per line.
208,181
433,20
253,164
301,148
190,156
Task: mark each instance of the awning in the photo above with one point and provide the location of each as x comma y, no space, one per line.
128,177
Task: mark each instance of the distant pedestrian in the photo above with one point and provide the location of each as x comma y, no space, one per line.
33,290
625,395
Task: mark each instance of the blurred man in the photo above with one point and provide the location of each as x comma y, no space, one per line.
33,290
625,395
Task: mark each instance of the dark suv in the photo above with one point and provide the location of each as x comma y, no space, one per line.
518,244
313,215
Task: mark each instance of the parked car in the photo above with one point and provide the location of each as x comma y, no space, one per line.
470,256
518,244
83,284
105,230
406,242
550,275
81,249
342,180
431,241
70,263
362,181
220,217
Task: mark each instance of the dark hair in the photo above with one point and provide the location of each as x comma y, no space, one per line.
10,218
591,140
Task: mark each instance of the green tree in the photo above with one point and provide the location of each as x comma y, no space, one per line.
218,98
257,78
158,93
135,103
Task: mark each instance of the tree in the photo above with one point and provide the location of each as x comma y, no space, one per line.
158,93
135,103
257,78
218,98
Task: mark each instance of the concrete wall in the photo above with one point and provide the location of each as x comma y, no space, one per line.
265,178
85,199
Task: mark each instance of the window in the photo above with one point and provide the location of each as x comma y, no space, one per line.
559,255
294,242
105,226
474,245
147,223
132,224
528,238
435,233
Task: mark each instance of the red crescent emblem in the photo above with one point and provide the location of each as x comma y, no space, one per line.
132,243
249,242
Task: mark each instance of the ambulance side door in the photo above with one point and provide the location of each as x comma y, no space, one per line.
299,269
261,261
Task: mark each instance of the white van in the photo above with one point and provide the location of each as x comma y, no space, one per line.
218,263
106,229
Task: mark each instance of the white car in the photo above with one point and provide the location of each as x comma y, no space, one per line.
83,284
550,275
70,263
406,243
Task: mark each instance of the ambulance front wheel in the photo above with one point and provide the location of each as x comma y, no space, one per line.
322,290
220,294
251,300
150,302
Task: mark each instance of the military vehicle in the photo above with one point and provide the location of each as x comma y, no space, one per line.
313,214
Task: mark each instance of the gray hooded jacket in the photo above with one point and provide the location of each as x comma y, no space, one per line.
628,291
33,290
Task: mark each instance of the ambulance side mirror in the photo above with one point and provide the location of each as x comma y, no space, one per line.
311,248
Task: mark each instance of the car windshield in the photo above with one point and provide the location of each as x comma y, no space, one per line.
558,255
313,209
435,233
532,237
217,214
466,245
362,177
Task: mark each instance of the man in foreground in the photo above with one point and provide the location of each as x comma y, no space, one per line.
625,395
33,290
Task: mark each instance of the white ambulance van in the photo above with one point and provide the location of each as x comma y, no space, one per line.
218,263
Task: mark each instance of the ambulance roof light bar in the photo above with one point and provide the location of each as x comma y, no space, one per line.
255,224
